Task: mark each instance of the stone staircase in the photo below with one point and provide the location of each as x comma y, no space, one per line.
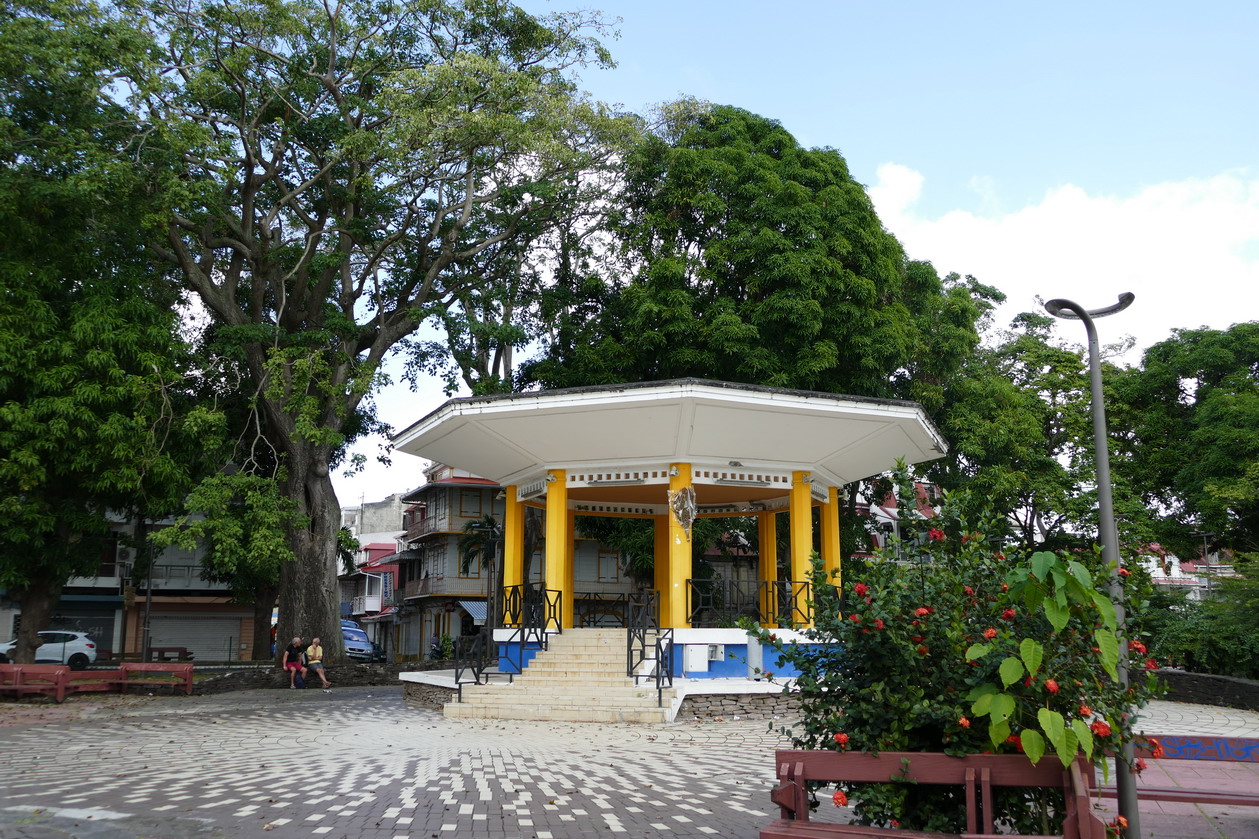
579,678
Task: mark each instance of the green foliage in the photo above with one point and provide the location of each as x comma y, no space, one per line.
745,257
1189,447
963,647
1217,635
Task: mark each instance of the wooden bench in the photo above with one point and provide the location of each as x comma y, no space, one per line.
156,673
46,679
170,654
978,774
1177,747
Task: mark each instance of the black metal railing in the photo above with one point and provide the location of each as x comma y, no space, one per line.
596,608
531,610
649,649
718,602
472,657
793,602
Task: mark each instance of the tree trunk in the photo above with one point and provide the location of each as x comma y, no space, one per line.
37,601
309,605
264,602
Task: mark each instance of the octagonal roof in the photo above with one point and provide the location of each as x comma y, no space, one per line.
512,437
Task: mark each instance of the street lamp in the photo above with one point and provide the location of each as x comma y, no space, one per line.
1125,782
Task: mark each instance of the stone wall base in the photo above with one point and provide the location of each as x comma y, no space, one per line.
342,675
427,696
1207,689
738,706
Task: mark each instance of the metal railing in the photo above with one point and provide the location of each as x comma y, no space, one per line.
532,610
719,602
643,636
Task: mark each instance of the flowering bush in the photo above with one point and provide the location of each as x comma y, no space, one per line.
951,644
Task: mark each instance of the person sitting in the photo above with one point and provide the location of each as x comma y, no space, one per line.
292,660
314,661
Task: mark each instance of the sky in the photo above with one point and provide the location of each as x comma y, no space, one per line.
1074,150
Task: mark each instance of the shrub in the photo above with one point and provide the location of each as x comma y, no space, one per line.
949,644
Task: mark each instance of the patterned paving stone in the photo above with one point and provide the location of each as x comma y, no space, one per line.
361,763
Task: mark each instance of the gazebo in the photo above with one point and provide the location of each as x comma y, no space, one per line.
673,451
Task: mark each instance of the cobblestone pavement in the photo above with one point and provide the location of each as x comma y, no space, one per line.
361,763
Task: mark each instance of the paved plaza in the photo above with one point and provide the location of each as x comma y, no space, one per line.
362,763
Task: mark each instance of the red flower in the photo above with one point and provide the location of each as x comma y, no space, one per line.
921,612
1140,766
1086,711
922,649
935,535
1124,572
1008,614
917,639
990,633
769,675
1137,647
839,798
1156,748
878,623
860,588
855,618
970,592
1000,556
841,738
1100,728
963,722
1051,686
895,823
1120,822
1005,587
1017,741
1151,664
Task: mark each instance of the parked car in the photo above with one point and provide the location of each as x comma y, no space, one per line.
358,646
76,649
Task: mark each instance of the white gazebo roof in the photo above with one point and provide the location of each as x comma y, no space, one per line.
515,438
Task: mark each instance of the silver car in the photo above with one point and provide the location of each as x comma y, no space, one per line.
59,647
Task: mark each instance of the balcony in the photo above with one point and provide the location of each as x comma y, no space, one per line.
451,586
363,604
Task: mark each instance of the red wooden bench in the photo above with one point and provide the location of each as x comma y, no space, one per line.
978,774
56,680
1177,747
156,673
47,679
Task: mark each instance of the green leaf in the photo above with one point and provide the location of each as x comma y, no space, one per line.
982,705
1080,573
1057,613
1052,723
1105,609
1081,729
1033,596
1108,643
1011,671
977,651
1033,745
998,732
1032,653
1041,562
1066,749
981,690
1002,706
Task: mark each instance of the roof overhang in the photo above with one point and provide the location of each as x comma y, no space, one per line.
514,438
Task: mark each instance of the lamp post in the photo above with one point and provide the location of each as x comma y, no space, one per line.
1108,534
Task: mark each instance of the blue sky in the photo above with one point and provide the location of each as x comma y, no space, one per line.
1063,150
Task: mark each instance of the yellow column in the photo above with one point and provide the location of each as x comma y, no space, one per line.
767,564
570,578
679,555
513,541
662,557
801,526
830,537
558,550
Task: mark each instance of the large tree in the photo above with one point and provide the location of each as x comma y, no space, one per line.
1190,445
747,257
94,420
343,166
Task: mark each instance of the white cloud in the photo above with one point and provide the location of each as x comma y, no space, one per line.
1189,249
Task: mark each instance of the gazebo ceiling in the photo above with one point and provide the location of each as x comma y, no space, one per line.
514,437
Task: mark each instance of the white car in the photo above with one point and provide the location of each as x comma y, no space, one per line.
73,648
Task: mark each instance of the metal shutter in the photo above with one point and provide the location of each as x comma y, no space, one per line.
208,638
